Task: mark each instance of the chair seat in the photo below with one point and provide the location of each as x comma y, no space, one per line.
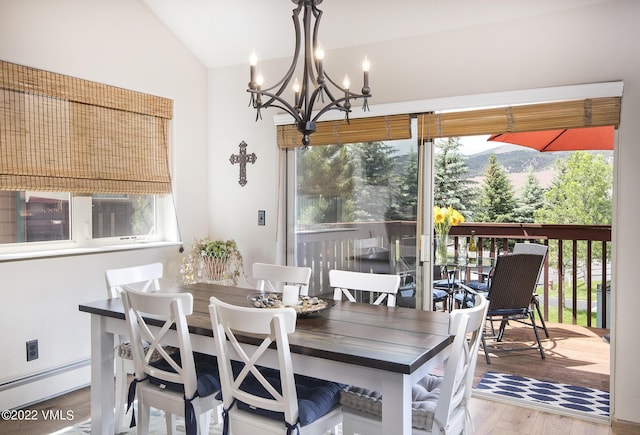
478,286
316,397
206,374
424,395
440,295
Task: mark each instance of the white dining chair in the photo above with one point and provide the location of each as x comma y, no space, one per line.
145,277
439,403
261,400
379,286
180,383
271,277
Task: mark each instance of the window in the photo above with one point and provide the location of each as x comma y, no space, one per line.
123,216
34,216
80,161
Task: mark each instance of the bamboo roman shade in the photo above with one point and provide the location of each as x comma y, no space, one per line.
373,129
60,133
532,117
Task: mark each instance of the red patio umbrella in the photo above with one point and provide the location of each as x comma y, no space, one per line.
570,139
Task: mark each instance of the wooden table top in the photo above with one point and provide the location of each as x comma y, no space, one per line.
387,338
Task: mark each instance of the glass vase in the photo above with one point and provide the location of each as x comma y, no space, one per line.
442,240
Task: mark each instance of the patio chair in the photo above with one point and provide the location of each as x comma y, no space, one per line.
535,248
270,276
183,383
511,288
439,404
379,286
262,400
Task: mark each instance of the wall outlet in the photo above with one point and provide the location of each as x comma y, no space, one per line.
261,217
32,350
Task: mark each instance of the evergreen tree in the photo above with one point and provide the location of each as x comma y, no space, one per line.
531,199
405,205
375,180
497,202
325,184
451,187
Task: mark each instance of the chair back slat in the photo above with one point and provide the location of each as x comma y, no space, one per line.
384,285
144,278
169,309
272,326
271,277
466,326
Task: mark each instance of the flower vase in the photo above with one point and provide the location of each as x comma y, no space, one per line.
213,269
442,240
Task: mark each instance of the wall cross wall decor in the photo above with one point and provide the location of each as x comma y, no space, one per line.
242,158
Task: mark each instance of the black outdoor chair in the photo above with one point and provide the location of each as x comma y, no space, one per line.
511,287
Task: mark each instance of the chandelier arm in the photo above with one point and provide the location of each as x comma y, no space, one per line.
276,98
284,82
335,105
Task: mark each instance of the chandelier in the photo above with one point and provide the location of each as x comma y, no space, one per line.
314,83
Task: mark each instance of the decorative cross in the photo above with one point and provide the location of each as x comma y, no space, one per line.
243,158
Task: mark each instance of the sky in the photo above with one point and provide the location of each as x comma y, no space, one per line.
476,144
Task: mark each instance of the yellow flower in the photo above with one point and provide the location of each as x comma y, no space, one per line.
445,218
439,215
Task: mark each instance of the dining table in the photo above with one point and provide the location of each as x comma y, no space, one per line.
381,348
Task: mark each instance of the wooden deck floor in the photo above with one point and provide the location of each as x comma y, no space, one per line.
574,355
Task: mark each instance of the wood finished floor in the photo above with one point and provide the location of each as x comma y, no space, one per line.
574,355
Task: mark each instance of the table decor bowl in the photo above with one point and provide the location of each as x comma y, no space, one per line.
306,306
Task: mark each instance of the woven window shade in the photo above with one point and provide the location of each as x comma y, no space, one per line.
373,129
59,133
533,117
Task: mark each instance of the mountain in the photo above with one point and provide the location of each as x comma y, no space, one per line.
514,159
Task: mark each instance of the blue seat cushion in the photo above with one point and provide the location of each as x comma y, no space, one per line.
446,283
440,295
206,373
478,286
316,397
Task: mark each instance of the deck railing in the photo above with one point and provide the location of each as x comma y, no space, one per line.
575,278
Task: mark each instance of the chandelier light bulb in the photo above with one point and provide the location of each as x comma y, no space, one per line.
346,82
365,64
296,86
260,79
253,59
320,52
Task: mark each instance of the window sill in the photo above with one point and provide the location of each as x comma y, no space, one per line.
68,252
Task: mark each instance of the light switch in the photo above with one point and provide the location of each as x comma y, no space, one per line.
260,217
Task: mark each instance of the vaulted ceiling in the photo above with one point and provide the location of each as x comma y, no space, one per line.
225,32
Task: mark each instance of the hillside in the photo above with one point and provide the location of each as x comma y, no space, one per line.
514,159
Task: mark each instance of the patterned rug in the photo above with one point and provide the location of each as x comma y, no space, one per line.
593,402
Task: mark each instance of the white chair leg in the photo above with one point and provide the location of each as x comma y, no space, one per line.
204,421
120,423
170,421
142,419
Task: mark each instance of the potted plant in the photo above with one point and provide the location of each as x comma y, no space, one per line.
212,261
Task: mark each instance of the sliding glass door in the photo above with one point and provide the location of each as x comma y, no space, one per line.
355,207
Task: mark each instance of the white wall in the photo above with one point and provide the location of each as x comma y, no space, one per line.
585,45
120,43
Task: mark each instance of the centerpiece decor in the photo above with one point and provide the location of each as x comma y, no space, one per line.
212,261
443,220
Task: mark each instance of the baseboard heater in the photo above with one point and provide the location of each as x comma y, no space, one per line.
44,375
